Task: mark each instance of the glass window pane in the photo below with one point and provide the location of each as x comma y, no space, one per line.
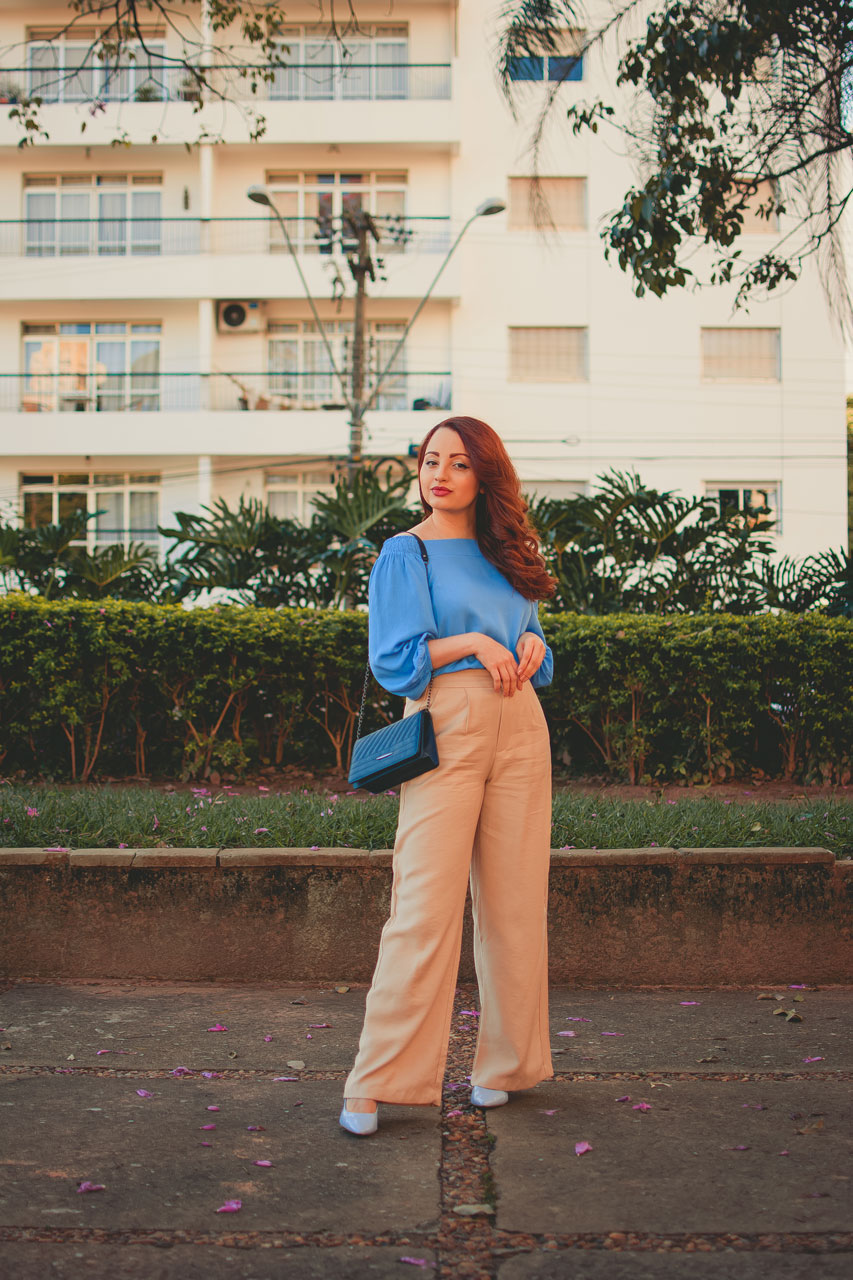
38,509
287,79
145,373
392,74
283,367
108,525
80,76
110,376
38,393
562,69
144,514
41,228
70,504
320,70
145,227
44,71
73,477
283,504
112,225
355,69
73,381
526,68
74,227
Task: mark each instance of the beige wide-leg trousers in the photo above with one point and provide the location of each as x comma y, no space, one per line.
484,813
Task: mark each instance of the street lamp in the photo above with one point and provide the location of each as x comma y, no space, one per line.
358,407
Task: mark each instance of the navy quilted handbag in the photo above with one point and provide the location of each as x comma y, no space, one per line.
399,751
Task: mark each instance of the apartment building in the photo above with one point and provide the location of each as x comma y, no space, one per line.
158,350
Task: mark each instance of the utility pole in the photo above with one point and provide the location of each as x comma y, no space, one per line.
360,260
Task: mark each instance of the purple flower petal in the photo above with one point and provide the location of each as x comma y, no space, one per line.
285,1078
263,1164
254,1128
613,1033
455,1112
319,1024
581,1148
218,1027
214,1108
551,1113
230,1206
143,1093
566,1033
90,1186
181,1071
267,1039
641,1106
818,1059
578,1019
207,1126
690,1002
626,1097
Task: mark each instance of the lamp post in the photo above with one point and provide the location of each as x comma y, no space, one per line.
356,402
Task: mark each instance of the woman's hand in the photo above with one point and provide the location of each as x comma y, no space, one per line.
531,651
499,662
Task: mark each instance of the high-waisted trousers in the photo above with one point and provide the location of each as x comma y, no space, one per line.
484,816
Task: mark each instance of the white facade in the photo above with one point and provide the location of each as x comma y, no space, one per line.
153,237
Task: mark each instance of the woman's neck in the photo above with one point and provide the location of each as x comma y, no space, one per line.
443,524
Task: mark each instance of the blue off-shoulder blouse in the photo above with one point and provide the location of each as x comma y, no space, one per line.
459,590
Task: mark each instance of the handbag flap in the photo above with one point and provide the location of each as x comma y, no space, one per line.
391,745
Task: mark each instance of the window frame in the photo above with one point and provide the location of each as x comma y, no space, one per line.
514,356
132,482
713,488
94,187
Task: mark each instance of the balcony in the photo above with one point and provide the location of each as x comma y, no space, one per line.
222,413
147,392
321,102
136,258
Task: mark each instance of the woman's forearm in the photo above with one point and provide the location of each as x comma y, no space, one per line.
450,648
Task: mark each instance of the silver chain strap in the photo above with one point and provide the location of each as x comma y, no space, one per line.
424,557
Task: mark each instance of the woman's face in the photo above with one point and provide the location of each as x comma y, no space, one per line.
448,481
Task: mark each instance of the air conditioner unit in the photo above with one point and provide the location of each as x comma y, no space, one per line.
240,317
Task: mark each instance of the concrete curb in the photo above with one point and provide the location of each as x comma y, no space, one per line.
617,917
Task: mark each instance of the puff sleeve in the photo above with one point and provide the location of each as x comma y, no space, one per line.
401,619
545,674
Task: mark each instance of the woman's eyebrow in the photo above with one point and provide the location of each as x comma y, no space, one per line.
453,455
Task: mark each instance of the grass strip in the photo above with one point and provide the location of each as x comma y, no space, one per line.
199,817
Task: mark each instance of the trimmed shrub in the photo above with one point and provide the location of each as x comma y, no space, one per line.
122,688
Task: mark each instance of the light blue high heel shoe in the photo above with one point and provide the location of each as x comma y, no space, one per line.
483,1097
361,1123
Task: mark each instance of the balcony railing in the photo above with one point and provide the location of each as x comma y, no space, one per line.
183,392
156,237
158,82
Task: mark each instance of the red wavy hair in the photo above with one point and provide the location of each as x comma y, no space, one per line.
504,532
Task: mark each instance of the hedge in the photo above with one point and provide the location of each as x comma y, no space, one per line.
120,688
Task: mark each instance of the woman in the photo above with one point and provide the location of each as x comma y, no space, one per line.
468,623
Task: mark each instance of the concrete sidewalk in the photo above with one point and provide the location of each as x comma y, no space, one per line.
719,1134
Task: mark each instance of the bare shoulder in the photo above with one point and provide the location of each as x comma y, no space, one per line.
419,529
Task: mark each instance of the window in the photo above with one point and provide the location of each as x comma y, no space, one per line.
564,200
536,490
301,375
741,355
91,366
310,203
70,69
109,214
370,63
547,354
750,505
128,505
290,491
564,61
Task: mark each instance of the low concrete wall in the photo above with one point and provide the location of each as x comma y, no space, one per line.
622,917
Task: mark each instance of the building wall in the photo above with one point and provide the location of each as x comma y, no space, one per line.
643,406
